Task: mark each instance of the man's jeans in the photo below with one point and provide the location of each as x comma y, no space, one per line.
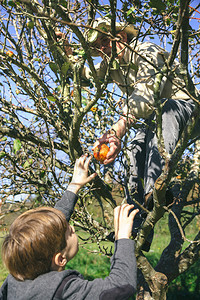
146,163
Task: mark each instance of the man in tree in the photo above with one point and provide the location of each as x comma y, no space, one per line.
137,66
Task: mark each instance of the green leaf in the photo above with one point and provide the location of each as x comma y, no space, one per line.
92,36
17,145
51,98
38,59
115,65
65,68
159,5
28,163
84,101
2,154
11,3
134,67
130,10
30,24
103,28
64,3
81,52
42,174
58,89
53,67
142,181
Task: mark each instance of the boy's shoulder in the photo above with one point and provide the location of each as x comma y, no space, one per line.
46,285
3,290
59,291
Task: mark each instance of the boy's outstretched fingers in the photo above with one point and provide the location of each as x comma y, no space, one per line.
133,212
80,176
123,221
84,162
93,175
116,220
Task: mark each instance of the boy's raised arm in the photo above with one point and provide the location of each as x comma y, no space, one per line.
79,179
121,283
80,175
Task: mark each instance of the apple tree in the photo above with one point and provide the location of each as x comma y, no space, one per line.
50,115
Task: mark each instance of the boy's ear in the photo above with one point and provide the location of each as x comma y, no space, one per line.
58,261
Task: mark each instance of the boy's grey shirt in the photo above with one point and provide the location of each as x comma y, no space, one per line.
120,284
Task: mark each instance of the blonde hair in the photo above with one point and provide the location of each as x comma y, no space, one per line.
33,240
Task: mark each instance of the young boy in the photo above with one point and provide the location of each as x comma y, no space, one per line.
41,242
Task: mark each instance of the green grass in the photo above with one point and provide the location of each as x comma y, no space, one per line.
3,271
91,266
187,285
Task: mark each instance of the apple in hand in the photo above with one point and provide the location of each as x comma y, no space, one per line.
100,152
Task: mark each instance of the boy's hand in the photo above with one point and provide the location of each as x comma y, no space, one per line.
123,221
80,176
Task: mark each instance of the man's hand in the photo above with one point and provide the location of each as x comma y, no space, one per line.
80,176
115,146
123,221
113,137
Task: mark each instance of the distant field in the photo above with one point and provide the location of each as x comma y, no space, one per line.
3,272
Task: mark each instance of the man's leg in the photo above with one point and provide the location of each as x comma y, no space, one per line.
146,162
134,174
174,118
135,171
